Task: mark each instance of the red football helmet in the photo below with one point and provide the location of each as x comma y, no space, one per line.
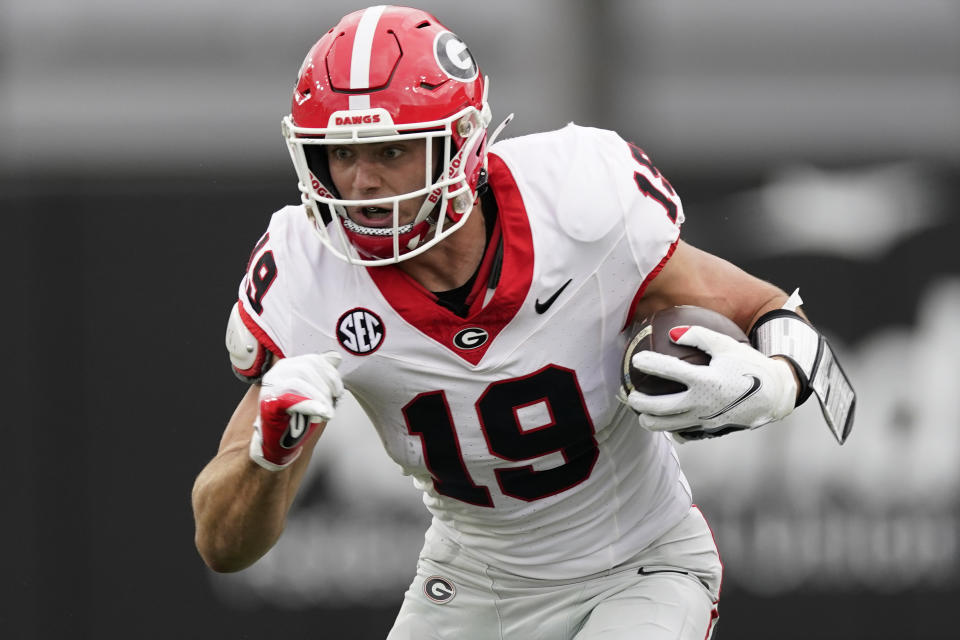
384,74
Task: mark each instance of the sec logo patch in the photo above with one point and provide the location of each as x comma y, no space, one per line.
360,331
438,589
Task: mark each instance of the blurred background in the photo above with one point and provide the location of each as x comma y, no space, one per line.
815,144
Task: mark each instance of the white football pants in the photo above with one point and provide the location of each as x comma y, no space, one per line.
668,591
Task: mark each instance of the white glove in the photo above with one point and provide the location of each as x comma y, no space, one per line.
740,389
296,395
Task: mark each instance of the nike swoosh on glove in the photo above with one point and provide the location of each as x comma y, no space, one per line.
740,389
296,395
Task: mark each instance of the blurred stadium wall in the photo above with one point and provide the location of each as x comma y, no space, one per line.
816,144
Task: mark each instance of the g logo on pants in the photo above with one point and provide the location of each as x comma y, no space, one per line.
439,590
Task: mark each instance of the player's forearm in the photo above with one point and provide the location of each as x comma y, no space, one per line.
239,509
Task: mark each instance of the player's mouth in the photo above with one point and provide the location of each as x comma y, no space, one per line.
372,216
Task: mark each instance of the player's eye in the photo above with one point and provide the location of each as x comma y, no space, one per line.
339,153
392,152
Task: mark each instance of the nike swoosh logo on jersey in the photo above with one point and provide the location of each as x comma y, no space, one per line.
652,572
746,394
643,571
543,306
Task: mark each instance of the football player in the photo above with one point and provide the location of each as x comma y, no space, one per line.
474,297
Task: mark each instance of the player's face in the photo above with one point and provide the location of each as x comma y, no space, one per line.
379,170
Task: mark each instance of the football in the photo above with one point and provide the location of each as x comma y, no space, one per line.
654,334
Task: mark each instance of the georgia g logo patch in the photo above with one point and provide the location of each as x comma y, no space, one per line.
470,338
439,590
454,58
360,331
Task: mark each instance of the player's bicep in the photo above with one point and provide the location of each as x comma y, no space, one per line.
695,277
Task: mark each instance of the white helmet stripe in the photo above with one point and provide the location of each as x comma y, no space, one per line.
362,48
359,102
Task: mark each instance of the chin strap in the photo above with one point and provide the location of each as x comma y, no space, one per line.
783,332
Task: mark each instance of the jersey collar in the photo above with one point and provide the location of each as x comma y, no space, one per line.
417,306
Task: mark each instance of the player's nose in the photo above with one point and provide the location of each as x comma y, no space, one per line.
367,177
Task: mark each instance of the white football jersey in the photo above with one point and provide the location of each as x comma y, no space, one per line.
507,419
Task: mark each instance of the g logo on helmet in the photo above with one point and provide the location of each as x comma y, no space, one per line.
454,58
